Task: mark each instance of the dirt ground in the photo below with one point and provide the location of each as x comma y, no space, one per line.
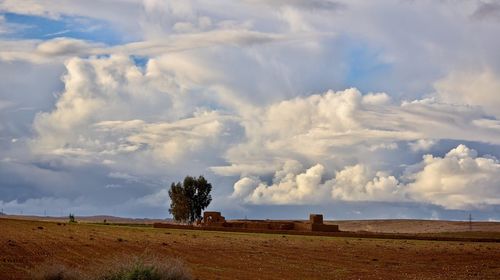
377,226
25,244
416,226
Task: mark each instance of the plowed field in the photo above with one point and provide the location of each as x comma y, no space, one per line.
25,244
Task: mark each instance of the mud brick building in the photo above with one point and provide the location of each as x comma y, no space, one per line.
315,223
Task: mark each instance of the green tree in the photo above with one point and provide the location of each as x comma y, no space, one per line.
188,199
72,218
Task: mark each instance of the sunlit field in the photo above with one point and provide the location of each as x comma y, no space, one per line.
27,245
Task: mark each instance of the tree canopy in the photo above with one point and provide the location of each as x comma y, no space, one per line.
189,198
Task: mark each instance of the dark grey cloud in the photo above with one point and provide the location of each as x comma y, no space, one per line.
487,11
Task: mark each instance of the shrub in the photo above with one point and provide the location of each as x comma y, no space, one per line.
145,267
56,272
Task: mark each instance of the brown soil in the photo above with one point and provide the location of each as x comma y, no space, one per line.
415,226
26,244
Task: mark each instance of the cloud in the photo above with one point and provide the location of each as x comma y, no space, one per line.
183,42
171,141
481,88
154,205
123,176
113,186
154,117
487,11
3,26
5,104
238,90
37,206
422,145
59,8
50,51
305,4
141,120
158,199
290,186
294,185
459,180
342,127
358,183
64,47
61,48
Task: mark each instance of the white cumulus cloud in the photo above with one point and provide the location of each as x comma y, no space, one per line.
291,185
110,109
358,183
459,180
342,127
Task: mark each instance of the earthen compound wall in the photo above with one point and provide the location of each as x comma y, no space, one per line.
216,220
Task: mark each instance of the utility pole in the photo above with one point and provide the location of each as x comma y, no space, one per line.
470,222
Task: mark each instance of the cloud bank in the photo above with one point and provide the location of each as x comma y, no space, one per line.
459,180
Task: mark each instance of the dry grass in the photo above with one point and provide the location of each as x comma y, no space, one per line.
55,272
143,267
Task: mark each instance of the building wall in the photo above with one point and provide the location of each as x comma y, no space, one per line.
302,226
324,228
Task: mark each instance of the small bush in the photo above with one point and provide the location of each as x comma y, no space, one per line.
56,272
145,267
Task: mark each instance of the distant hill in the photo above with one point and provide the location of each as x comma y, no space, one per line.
90,219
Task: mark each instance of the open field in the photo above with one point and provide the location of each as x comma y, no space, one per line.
86,219
376,226
416,226
26,244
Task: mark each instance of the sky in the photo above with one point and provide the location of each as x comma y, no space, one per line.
354,109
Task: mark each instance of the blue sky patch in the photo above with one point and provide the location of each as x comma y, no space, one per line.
36,27
364,66
140,61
